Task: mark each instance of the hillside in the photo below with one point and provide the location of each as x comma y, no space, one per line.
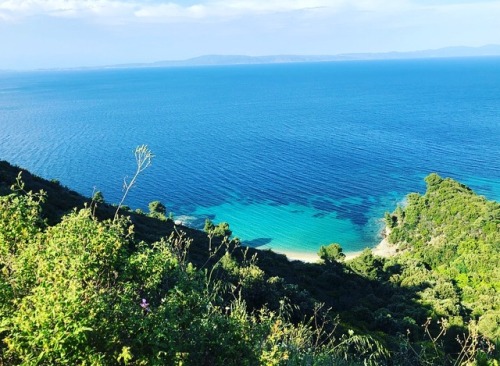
456,234
78,286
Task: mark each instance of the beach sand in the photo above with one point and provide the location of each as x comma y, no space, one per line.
301,256
383,249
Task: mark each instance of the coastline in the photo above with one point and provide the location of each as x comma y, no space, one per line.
382,249
385,249
306,257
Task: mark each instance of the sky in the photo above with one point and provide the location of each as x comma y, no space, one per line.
72,33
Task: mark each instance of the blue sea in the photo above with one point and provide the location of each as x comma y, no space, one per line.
293,156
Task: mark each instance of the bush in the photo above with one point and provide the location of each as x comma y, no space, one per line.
157,210
331,253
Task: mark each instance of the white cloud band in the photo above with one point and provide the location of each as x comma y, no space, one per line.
17,9
165,11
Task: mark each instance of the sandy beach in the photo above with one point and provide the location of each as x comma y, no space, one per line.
301,256
383,249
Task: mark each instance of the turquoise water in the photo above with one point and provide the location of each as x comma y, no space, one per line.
275,226
292,156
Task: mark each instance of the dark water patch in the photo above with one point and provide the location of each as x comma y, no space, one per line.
255,243
324,205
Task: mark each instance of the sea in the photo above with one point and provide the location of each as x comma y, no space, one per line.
292,156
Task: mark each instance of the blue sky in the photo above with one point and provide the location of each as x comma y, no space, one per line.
68,33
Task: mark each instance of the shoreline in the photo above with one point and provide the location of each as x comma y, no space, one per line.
382,249
385,249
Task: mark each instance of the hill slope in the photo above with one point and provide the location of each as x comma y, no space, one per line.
211,301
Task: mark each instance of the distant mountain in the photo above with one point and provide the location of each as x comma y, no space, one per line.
483,51
213,60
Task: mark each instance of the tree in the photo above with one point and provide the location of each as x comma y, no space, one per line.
221,230
331,253
98,197
157,209
433,181
366,264
390,220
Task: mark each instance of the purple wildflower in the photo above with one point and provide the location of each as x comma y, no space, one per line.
145,305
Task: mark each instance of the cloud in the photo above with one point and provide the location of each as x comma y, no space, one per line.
294,15
163,11
19,9
175,9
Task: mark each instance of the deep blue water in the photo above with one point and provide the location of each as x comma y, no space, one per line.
292,156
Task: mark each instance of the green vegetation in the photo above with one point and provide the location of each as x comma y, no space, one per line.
220,230
84,283
331,253
158,210
455,235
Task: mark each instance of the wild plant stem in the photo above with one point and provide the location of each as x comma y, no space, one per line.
143,157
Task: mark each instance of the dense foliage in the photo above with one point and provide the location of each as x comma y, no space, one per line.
92,287
75,293
454,234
